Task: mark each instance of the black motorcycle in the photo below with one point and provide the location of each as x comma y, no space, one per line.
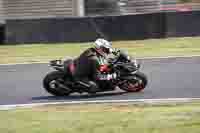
130,79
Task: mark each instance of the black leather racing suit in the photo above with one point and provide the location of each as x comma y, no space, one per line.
87,70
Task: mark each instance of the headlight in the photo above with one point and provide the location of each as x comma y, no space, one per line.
128,58
136,64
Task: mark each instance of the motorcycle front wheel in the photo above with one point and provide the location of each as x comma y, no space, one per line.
136,83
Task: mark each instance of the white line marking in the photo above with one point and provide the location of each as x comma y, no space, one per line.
144,58
167,100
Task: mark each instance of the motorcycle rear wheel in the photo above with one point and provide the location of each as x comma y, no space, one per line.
49,84
136,84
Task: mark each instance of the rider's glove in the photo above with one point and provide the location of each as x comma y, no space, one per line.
115,51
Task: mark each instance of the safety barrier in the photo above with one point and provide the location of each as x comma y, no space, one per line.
141,26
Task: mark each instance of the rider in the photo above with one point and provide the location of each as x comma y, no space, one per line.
87,71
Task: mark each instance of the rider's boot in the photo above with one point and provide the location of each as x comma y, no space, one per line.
88,86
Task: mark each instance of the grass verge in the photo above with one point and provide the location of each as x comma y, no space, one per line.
123,118
144,48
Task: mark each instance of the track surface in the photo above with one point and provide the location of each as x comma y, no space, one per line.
168,78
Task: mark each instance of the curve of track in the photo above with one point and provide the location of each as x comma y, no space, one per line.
168,78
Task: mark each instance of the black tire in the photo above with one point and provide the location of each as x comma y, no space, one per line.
55,75
140,87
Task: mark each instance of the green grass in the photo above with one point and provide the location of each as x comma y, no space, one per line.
144,48
177,118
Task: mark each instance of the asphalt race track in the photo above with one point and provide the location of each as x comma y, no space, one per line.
168,78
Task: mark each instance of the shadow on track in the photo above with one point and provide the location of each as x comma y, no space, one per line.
78,96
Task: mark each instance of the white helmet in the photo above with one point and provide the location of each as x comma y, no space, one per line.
103,44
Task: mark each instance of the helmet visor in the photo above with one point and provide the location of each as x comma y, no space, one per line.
106,50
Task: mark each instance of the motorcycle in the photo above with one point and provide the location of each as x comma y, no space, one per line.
60,82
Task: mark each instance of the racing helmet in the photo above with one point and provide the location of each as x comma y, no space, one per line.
103,46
